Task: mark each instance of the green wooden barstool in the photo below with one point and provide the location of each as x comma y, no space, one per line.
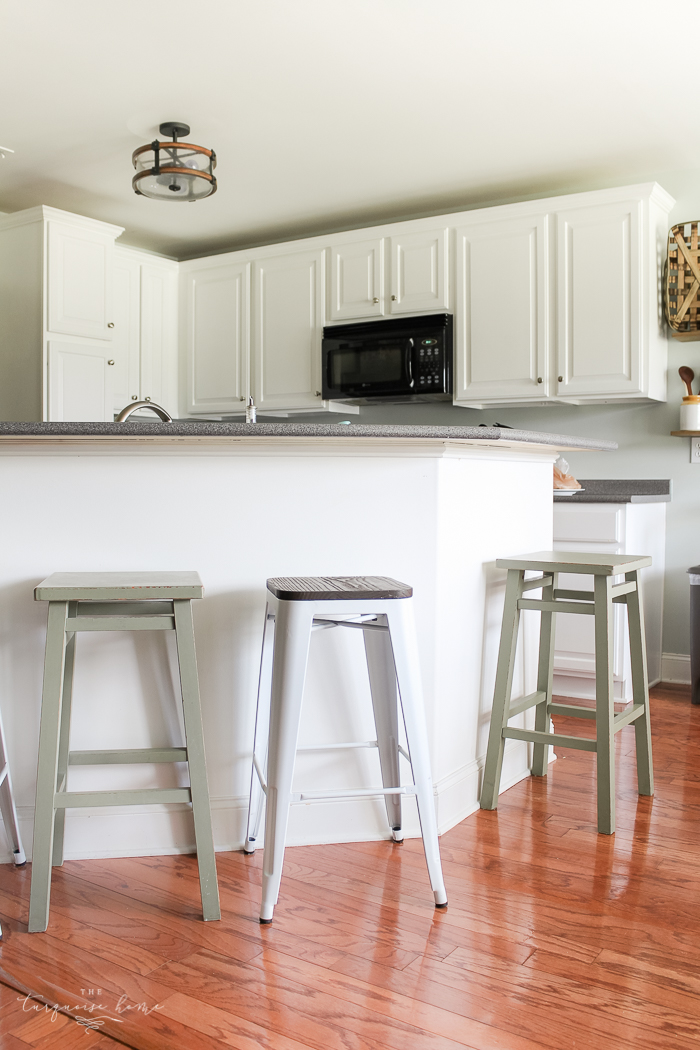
114,601
599,603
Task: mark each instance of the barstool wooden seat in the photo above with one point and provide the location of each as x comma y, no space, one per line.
114,601
598,603
382,609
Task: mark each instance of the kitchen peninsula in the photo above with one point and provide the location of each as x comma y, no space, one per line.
432,506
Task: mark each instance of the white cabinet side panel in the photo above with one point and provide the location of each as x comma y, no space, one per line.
159,335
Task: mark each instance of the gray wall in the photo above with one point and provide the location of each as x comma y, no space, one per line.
646,449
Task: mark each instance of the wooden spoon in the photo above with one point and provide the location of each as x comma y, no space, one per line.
687,375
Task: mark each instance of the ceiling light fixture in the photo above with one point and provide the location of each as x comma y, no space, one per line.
174,171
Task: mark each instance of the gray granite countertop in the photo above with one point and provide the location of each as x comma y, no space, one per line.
208,430
619,491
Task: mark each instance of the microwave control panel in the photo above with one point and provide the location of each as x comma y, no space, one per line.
431,364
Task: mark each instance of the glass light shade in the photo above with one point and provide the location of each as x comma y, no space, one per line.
174,171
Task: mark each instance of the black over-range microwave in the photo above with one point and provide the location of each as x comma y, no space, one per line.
400,359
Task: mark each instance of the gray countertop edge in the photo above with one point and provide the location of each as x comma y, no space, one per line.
198,430
619,490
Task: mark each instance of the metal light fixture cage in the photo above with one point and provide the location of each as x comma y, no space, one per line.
174,171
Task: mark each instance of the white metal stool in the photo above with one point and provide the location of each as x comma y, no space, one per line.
598,603
382,609
7,806
114,601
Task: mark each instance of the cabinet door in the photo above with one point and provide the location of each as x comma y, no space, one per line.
126,340
80,383
419,272
288,318
217,320
501,336
159,336
599,299
79,281
357,280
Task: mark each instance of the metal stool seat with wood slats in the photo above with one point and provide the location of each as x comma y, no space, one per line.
382,609
599,603
114,601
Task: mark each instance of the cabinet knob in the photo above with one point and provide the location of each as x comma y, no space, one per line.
375,300
110,362
147,399
318,393
111,324
539,379
560,379
394,298
134,397
241,399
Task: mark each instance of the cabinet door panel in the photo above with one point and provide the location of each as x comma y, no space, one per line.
80,383
357,280
419,272
599,299
158,339
288,319
218,337
502,318
80,281
126,340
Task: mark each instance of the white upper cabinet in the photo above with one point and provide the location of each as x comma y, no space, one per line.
419,272
563,293
80,382
216,323
288,316
502,325
80,280
357,280
599,297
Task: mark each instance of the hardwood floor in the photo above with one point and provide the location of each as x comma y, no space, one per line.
555,937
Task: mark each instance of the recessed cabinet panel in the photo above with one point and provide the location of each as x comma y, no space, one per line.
125,348
419,272
80,383
357,281
501,310
158,321
599,299
288,322
80,281
217,320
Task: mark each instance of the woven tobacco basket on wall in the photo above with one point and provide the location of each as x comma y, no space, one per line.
682,284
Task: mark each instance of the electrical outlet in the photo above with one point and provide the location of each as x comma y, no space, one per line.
695,450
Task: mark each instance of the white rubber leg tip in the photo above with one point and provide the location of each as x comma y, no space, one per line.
440,898
266,913
397,834
19,857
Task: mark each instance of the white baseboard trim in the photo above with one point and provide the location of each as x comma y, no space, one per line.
675,667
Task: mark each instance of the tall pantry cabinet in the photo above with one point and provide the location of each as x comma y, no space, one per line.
56,316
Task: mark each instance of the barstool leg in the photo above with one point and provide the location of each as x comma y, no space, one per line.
64,741
502,690
604,704
262,728
290,658
194,740
48,767
545,671
404,643
640,688
382,681
7,805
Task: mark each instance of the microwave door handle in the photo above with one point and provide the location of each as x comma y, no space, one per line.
411,351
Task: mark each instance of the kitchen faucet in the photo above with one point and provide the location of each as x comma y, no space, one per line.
136,405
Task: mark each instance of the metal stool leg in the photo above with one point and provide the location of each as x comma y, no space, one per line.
260,740
48,767
604,704
640,687
545,671
7,805
404,643
63,741
502,690
194,740
382,680
291,652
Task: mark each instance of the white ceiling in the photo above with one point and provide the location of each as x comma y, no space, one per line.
327,114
